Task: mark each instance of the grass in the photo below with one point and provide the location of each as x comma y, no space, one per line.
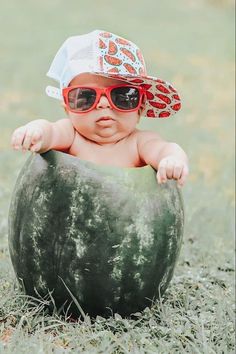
196,316
188,43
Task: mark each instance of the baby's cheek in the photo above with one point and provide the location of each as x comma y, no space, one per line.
129,121
78,123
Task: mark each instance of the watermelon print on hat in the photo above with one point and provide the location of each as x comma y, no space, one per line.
124,59
121,53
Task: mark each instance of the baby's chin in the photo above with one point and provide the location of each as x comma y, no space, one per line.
106,136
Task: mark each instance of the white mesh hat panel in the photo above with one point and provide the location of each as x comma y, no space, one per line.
76,55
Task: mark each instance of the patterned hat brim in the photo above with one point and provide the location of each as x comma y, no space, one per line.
162,99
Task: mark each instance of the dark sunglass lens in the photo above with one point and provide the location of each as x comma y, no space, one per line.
125,97
81,99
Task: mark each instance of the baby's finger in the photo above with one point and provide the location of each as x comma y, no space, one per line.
162,172
178,168
18,138
36,136
36,142
169,169
32,136
184,175
27,140
36,147
158,177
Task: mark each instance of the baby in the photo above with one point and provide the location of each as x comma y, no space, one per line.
105,89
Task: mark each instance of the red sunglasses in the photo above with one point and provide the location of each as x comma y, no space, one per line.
123,98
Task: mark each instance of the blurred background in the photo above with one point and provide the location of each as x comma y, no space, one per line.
186,42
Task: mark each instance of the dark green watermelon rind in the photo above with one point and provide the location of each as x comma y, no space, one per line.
113,235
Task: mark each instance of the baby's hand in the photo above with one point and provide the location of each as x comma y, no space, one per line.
171,167
28,137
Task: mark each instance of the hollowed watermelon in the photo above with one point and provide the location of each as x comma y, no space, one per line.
110,235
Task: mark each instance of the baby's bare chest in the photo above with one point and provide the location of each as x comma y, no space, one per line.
123,153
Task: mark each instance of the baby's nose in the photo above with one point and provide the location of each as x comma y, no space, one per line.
103,102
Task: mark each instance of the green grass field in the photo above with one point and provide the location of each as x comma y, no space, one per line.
186,42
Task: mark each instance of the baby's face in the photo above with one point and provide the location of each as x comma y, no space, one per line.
103,124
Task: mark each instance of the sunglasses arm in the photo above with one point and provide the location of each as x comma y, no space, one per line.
54,92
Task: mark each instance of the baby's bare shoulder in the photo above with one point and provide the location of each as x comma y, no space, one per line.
64,123
143,136
63,133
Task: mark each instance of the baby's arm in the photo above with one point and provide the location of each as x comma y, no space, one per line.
169,159
41,135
